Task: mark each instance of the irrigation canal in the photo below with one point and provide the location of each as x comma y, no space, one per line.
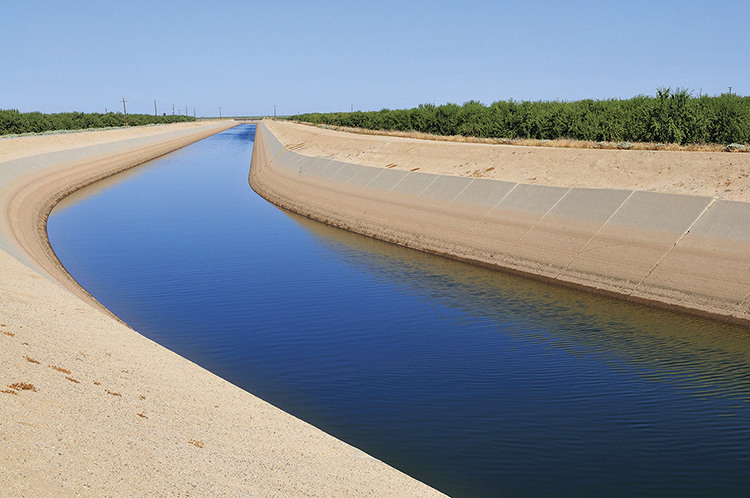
475,382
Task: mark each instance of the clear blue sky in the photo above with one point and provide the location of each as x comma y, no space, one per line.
247,56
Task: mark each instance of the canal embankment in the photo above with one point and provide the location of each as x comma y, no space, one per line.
90,407
682,244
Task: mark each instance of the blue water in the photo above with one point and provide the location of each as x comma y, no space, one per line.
475,382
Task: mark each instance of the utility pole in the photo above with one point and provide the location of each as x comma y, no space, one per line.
172,109
352,108
185,111
274,111
219,112
125,110
193,112
154,107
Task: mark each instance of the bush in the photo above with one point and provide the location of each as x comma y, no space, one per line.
672,116
14,122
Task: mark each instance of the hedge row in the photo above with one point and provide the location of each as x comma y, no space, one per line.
14,122
669,117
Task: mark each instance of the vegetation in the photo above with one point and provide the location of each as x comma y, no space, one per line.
669,117
14,122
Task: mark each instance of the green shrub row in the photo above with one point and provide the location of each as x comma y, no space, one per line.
14,122
668,117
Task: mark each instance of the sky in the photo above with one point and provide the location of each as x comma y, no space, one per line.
299,56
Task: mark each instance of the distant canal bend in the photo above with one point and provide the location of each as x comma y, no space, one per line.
475,382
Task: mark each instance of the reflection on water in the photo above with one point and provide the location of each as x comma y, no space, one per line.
103,185
707,357
476,382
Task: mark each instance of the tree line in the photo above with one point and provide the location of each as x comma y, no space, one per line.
671,116
14,122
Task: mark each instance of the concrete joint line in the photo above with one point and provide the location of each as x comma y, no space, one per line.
591,239
325,167
401,180
448,204
479,222
367,185
427,186
415,200
536,224
456,196
336,172
635,289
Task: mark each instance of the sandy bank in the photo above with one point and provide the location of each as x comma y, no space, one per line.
722,175
90,407
600,231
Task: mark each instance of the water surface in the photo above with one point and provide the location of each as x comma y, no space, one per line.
475,382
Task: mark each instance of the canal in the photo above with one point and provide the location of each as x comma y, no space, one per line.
475,382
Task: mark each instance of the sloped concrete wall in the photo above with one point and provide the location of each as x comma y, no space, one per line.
685,252
115,156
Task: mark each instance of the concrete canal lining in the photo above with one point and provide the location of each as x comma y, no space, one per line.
89,407
685,252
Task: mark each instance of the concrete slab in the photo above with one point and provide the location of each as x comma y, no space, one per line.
484,192
290,160
325,163
446,187
365,175
671,213
711,264
594,206
500,228
273,146
414,184
496,232
387,179
565,230
314,166
346,173
333,168
535,200
728,220
635,239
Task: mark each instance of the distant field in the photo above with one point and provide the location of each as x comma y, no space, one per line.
13,122
670,117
